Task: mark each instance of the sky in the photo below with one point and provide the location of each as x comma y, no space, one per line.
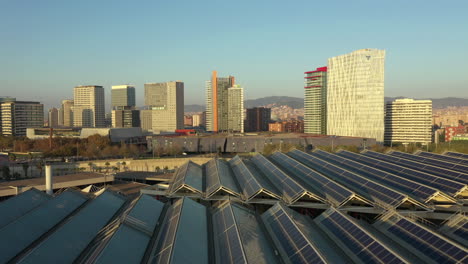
47,47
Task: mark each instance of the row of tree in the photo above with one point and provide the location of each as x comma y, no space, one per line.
94,146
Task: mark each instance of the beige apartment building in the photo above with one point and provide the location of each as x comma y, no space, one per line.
66,113
408,121
88,109
166,102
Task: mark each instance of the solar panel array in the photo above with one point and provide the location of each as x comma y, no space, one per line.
358,243
456,155
455,160
414,189
189,174
431,161
379,194
138,227
295,245
329,190
19,234
444,185
434,170
69,227
249,180
435,247
226,237
21,204
218,175
456,228
67,243
290,189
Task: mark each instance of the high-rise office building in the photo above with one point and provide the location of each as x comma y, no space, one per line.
4,100
198,120
355,94
257,119
88,109
53,117
408,121
146,119
166,100
66,113
123,97
123,104
235,115
217,96
126,118
16,116
315,101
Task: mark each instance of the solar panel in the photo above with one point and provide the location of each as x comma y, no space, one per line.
354,240
218,175
456,155
375,192
73,237
137,227
226,239
294,244
249,180
431,161
422,240
335,193
456,227
21,204
415,190
22,232
454,160
189,174
183,234
289,188
401,164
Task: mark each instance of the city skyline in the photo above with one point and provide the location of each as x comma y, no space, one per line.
270,46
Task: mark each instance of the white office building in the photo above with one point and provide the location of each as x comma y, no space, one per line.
408,121
355,94
88,109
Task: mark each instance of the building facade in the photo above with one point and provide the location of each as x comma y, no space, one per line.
217,108
315,101
451,132
198,120
257,119
235,115
122,97
66,113
408,121
88,109
126,118
166,100
355,94
290,126
17,116
124,114
53,117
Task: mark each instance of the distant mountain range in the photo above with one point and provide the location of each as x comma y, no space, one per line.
297,102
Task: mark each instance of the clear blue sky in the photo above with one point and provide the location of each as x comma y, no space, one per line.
48,47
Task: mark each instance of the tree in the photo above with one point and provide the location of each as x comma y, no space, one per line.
107,166
40,167
25,169
91,166
124,164
6,173
115,169
12,156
